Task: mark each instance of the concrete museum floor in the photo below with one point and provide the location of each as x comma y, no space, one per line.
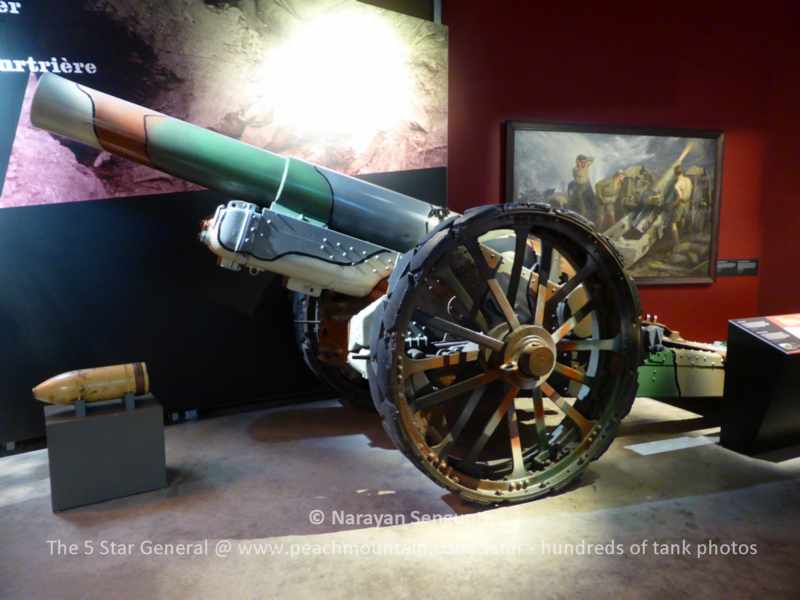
312,501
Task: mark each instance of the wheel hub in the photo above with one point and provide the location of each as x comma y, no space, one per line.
528,356
536,359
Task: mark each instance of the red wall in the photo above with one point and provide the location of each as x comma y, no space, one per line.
780,276
528,61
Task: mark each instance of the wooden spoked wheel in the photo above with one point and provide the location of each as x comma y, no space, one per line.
507,352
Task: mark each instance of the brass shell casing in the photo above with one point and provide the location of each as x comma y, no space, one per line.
95,385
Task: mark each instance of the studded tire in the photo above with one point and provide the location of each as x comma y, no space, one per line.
606,385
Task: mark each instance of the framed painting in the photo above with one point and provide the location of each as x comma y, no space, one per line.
654,193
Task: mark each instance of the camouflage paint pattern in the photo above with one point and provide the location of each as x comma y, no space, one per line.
181,149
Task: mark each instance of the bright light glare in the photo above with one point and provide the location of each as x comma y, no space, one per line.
343,78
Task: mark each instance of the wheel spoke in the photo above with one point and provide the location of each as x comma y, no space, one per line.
475,311
479,292
485,273
479,258
582,422
517,460
452,391
468,334
447,442
573,374
578,279
538,411
538,314
520,249
440,361
555,266
610,345
545,265
573,321
491,425
464,296
503,303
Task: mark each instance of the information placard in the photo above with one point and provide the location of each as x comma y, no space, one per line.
781,331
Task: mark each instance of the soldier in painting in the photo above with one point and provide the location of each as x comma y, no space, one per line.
700,211
608,194
579,191
682,197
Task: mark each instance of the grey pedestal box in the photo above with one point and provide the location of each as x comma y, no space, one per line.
111,452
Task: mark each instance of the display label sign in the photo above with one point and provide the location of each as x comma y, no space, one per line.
731,267
782,331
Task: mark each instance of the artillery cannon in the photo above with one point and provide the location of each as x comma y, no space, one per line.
647,204
500,346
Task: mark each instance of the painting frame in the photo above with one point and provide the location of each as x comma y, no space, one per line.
513,128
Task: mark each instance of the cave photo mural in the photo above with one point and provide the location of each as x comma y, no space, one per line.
339,83
654,194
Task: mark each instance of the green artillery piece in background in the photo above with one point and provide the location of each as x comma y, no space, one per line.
501,347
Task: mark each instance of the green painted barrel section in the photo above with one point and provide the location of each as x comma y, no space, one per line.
306,187
240,170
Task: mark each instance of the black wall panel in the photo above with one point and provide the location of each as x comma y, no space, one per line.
429,185
96,283
103,282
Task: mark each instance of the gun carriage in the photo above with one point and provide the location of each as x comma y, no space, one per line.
500,347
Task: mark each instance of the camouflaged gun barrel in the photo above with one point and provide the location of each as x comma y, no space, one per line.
241,171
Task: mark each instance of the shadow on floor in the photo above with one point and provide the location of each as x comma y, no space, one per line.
628,428
304,423
779,455
262,474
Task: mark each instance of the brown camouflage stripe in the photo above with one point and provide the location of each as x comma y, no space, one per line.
120,126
